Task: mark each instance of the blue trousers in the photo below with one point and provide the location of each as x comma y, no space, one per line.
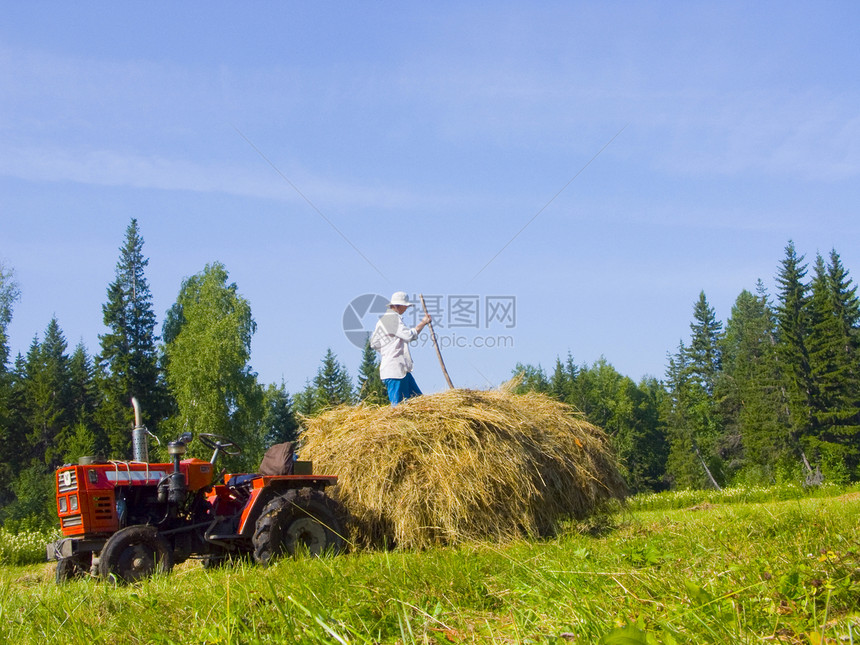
401,388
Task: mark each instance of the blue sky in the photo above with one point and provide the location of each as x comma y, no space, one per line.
324,150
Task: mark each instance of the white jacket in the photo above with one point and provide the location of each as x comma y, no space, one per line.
391,339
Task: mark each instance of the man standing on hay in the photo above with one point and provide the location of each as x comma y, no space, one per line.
391,339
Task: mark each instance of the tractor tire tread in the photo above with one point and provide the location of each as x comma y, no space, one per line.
294,504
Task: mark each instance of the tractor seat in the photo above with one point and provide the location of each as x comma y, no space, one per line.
238,480
278,460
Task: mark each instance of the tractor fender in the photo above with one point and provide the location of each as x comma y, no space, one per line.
268,488
253,508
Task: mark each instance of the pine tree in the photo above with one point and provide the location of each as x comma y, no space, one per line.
835,412
793,328
128,362
749,394
694,422
563,379
846,306
88,437
530,378
83,388
332,385
825,345
279,421
705,365
371,389
682,466
47,390
9,293
305,400
705,357
15,447
649,451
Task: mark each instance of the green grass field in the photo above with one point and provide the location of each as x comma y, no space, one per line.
784,571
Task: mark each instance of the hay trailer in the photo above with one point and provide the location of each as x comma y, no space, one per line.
126,520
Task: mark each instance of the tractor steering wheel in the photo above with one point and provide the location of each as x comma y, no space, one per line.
219,444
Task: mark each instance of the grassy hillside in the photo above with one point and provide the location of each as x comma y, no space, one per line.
765,572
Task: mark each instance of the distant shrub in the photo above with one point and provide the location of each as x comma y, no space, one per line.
676,499
24,546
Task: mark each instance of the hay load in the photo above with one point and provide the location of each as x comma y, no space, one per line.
462,465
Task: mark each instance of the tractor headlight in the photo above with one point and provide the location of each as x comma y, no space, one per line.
63,505
73,502
176,448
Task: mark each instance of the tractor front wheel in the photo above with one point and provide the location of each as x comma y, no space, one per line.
300,519
75,566
135,552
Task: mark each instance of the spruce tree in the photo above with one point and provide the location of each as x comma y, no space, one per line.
825,347
649,449
705,366
332,385
749,393
694,422
9,293
305,400
83,389
371,389
846,308
793,329
846,305
705,357
683,467
835,412
563,379
47,387
279,420
15,446
530,378
87,437
128,361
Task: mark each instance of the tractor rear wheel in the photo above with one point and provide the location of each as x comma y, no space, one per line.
300,519
135,552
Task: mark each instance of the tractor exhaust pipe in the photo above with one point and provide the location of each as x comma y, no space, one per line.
139,442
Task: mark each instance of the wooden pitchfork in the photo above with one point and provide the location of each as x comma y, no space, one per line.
436,344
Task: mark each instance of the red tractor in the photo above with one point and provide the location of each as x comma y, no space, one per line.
125,520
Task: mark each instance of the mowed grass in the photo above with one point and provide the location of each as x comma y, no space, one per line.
768,572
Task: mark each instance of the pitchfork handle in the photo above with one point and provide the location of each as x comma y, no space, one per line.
435,344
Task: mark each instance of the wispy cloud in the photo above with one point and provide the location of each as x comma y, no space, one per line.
115,168
120,123
803,136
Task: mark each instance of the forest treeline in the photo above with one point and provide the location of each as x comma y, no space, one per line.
772,395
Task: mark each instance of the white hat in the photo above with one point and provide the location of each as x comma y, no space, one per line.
399,298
